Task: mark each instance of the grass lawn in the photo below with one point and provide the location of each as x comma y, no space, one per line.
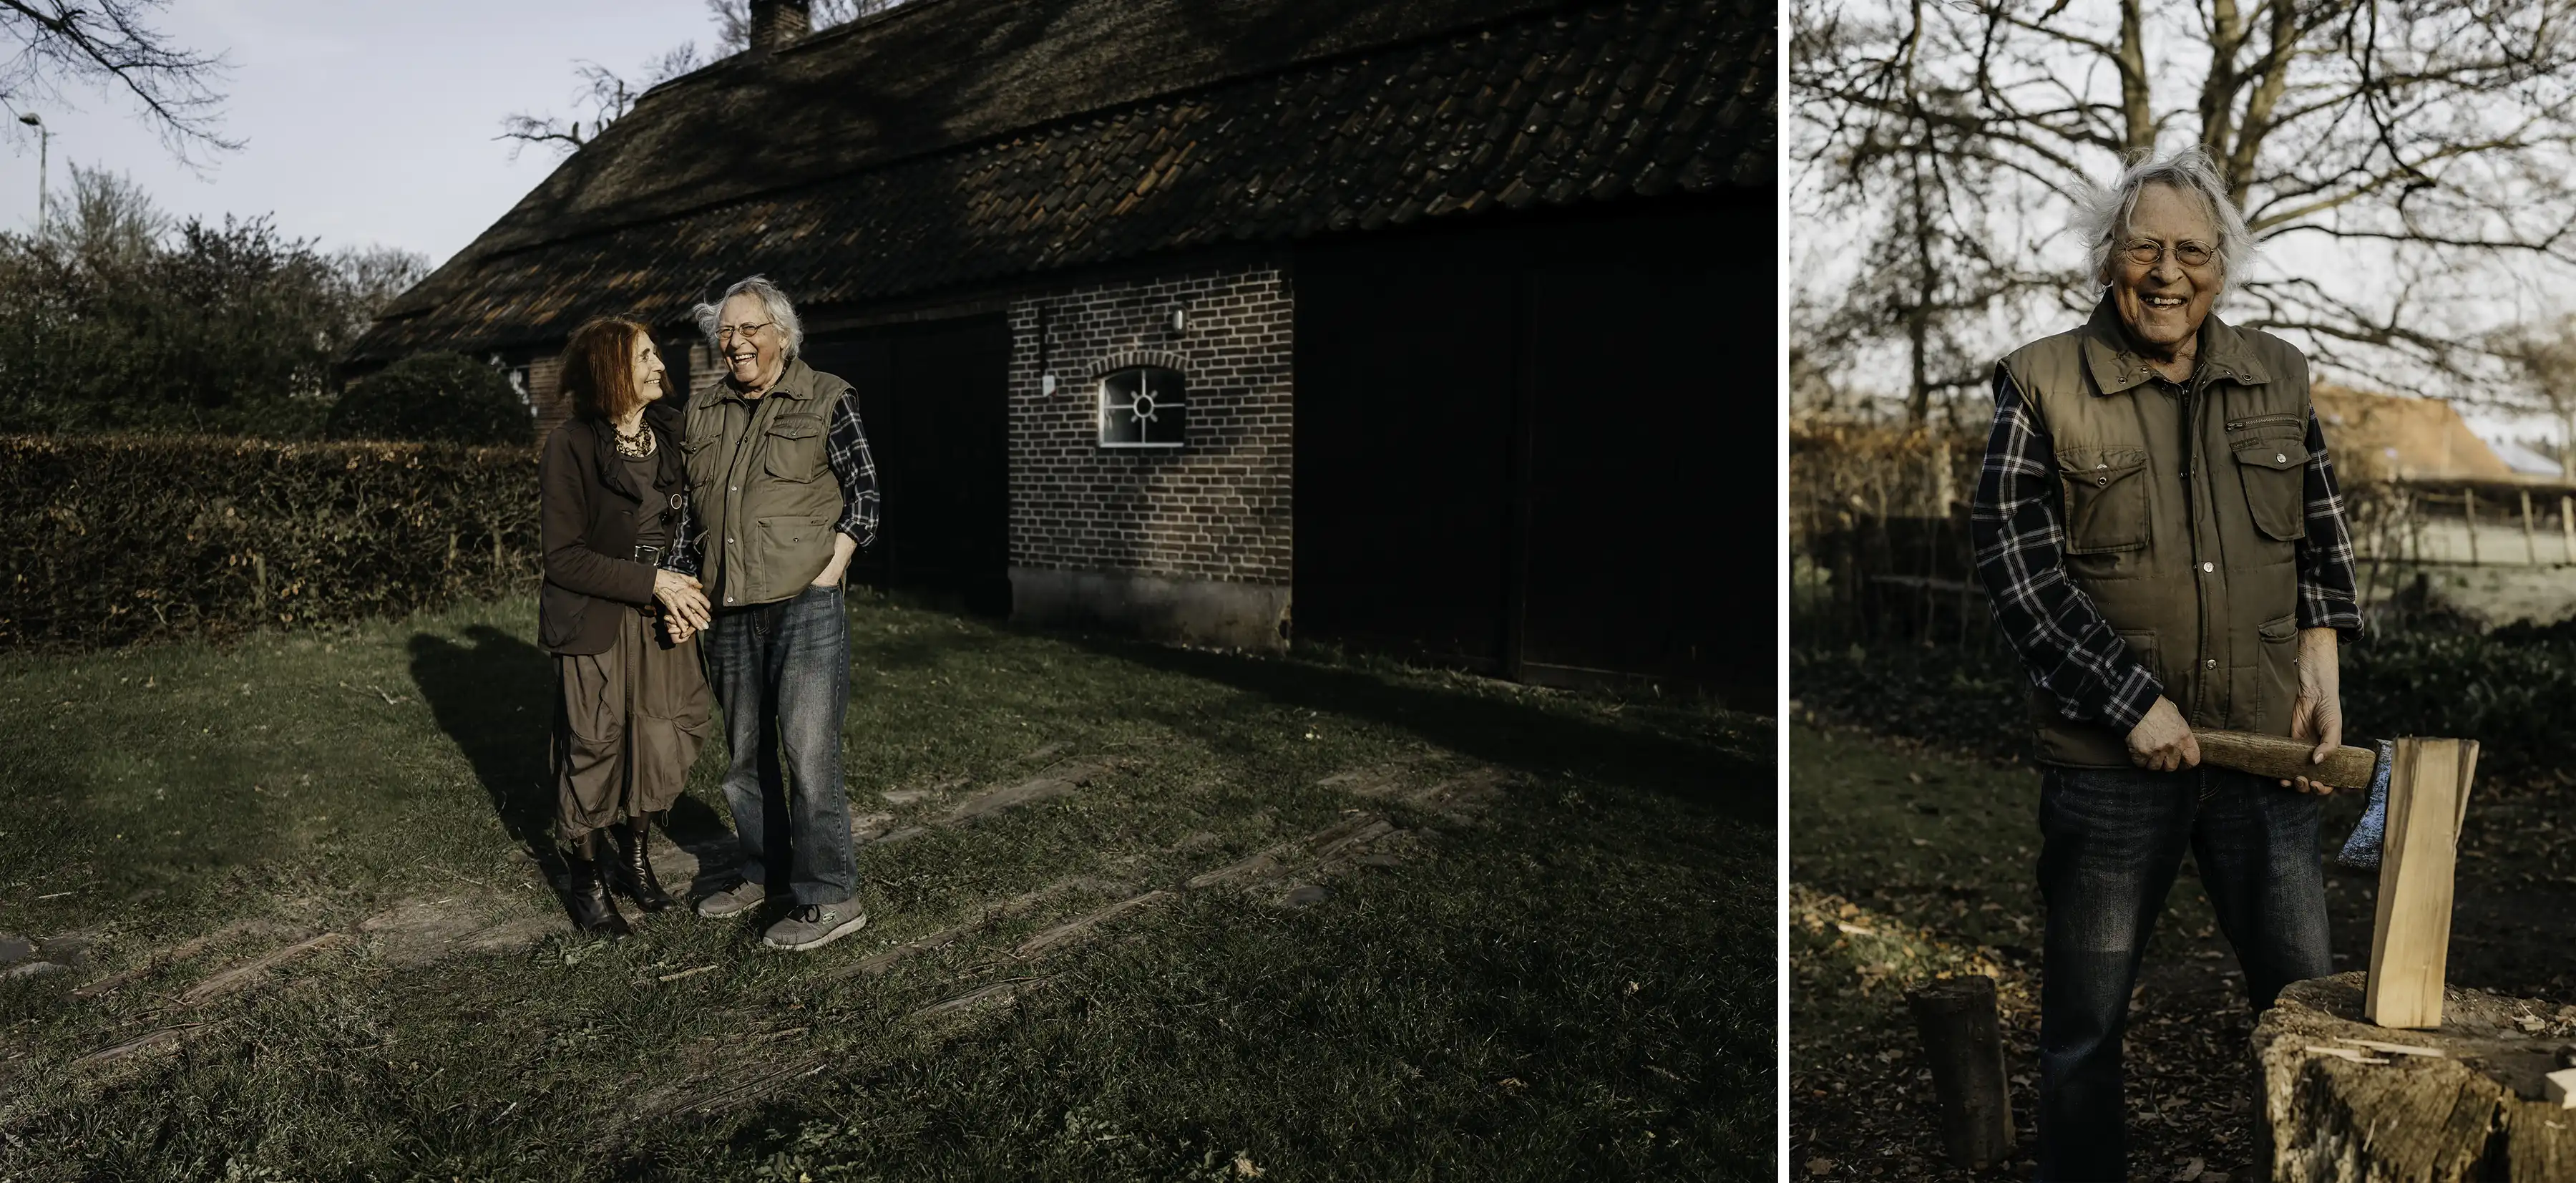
1137,913
1909,860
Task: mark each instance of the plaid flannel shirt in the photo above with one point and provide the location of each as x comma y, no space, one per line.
845,449
2069,650
682,554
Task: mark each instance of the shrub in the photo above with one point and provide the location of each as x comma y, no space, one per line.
434,398
125,538
118,319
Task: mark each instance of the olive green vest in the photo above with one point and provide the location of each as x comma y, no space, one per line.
2183,515
761,486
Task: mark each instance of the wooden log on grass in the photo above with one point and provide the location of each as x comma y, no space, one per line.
2428,795
1964,1043
2347,1101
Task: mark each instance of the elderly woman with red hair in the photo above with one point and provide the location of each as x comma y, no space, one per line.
620,612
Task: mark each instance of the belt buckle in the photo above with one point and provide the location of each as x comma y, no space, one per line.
647,554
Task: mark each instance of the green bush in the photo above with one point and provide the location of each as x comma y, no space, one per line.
126,538
434,398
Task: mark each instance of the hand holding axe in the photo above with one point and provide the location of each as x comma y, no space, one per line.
2346,767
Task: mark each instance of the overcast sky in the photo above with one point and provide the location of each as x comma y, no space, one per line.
366,121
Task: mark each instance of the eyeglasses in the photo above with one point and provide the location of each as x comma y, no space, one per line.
729,332
2187,253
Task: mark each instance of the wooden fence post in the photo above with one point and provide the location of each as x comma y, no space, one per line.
2428,795
2470,497
2567,520
2530,549
1964,1042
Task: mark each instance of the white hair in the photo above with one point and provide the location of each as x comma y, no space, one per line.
775,303
2104,217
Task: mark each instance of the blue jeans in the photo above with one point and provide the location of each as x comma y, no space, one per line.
2112,840
782,671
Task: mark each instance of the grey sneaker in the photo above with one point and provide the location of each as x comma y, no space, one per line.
814,926
741,895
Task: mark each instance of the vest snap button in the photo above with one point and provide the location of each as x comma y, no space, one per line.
2212,663
2103,481
2279,458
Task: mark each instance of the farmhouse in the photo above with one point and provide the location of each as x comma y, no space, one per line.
1444,328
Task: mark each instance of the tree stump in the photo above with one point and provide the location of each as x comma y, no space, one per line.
1963,1041
2467,1107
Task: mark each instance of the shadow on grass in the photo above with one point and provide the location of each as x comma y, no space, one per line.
495,696
1526,736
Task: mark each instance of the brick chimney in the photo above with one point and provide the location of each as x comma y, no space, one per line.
776,24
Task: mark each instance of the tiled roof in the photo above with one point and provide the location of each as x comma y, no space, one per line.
1562,105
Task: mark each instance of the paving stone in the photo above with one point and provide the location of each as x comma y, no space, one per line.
1086,922
1055,782
995,994
239,976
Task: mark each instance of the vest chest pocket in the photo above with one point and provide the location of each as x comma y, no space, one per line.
2106,499
794,449
698,456
2272,460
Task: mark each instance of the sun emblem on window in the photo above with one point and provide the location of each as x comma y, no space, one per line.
1143,407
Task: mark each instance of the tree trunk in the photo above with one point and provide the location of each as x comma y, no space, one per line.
2470,1111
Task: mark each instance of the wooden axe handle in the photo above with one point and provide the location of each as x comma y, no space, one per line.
2273,756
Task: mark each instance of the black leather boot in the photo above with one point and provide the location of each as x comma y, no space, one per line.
592,911
636,867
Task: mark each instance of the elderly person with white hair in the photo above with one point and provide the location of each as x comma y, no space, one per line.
2159,532
784,489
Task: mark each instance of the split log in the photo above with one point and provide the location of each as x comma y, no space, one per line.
2348,1101
1964,1043
2410,940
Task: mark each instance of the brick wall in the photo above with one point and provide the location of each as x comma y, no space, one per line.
1215,509
545,392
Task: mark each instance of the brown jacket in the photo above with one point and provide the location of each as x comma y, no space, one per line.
588,508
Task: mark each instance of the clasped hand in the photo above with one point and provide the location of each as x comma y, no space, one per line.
684,604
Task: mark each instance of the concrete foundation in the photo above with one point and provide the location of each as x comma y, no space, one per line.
1250,616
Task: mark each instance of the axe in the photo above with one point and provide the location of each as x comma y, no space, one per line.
2346,767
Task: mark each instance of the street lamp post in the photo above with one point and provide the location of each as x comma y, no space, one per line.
44,141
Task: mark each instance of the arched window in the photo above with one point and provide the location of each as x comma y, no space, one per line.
1143,407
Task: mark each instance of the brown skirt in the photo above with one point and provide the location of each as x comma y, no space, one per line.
628,724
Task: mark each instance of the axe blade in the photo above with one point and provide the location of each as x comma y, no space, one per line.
2361,850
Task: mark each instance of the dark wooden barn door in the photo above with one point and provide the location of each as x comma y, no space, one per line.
1547,449
935,399
1403,429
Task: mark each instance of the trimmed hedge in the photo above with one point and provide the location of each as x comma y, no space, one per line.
116,539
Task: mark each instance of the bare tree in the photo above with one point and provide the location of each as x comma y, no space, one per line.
604,95
368,278
107,45
2416,145
2543,361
